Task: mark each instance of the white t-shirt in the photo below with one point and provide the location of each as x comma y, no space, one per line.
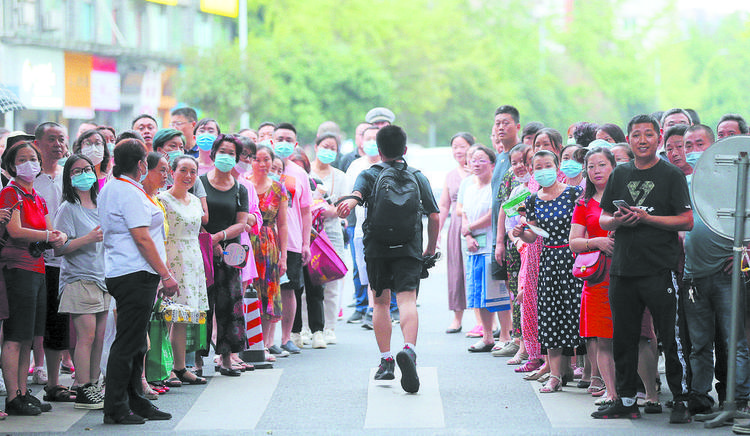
477,201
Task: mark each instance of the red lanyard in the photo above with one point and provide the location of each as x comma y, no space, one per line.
140,189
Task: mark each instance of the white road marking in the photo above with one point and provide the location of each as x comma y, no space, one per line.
388,406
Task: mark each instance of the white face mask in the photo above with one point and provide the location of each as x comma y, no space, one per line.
525,178
94,153
242,167
28,170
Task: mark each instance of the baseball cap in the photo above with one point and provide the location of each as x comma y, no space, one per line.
379,114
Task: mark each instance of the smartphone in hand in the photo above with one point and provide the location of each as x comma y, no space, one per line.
621,204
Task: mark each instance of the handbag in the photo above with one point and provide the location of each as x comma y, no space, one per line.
591,267
236,255
325,265
159,358
207,251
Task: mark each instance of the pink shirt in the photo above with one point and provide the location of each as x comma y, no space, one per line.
249,272
297,184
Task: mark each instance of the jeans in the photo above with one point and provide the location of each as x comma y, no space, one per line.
360,291
710,309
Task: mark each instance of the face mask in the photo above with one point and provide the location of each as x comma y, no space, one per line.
62,161
83,181
525,178
111,147
692,158
620,163
326,156
370,148
275,177
224,163
546,177
143,177
242,167
204,141
284,149
571,168
94,153
172,155
28,170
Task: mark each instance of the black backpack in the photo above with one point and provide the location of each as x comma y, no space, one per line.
394,214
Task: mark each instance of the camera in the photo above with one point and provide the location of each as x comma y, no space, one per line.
36,249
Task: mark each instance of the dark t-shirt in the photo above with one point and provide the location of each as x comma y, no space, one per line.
365,184
224,205
661,190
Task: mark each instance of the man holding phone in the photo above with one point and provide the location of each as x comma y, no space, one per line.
646,203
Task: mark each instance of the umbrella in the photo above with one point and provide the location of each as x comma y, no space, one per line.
9,101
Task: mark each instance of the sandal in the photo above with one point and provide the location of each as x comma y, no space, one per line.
583,384
59,394
268,356
516,360
529,366
544,378
597,389
180,373
551,386
172,382
481,347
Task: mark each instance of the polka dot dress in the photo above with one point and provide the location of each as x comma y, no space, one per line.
559,293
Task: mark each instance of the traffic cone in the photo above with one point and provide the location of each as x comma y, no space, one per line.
254,353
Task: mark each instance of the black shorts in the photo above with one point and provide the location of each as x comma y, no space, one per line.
27,304
57,326
398,274
293,271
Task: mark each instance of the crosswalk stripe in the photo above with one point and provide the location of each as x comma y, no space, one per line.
571,406
226,399
388,406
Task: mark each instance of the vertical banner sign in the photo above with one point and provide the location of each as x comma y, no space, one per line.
78,86
150,92
105,84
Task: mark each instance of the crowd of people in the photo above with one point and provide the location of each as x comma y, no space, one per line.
95,232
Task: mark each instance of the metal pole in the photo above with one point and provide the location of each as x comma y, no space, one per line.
245,117
730,408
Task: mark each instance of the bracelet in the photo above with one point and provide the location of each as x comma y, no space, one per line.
169,277
225,235
46,239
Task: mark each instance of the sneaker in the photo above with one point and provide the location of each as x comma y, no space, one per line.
356,318
367,322
407,363
508,350
297,340
306,336
330,336
39,377
395,317
88,397
44,407
318,340
618,410
741,428
19,406
385,370
275,349
680,414
290,347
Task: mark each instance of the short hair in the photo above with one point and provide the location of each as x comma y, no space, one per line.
672,112
643,119
510,110
77,145
676,130
590,190
546,153
128,153
693,116
554,136
267,123
69,193
300,158
370,127
205,121
391,141
153,158
614,131
232,139
268,150
575,152
247,144
9,157
108,128
657,115
176,161
584,133
519,148
141,116
328,135
329,127
186,112
741,123
165,135
128,134
468,137
531,128
41,129
705,128
627,148
286,126
484,149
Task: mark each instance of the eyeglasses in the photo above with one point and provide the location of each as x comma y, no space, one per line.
177,123
84,170
92,144
247,156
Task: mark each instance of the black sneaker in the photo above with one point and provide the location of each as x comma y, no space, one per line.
680,414
618,410
129,419
407,363
44,407
88,397
20,407
367,322
154,414
356,318
385,370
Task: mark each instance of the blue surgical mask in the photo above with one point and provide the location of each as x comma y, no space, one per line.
546,177
571,168
275,177
83,181
172,155
205,141
111,147
370,148
692,157
326,156
224,162
284,149
62,161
